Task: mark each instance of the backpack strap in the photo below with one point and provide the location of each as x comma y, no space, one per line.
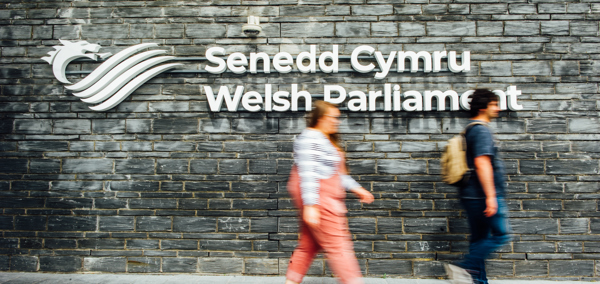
464,132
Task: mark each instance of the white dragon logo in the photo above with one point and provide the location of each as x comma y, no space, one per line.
116,78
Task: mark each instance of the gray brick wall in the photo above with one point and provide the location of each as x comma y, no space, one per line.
159,184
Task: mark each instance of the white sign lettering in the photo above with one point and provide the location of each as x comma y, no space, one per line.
121,74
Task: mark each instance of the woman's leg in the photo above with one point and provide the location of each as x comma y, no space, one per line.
335,239
302,256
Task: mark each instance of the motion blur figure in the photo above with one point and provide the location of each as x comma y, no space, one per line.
483,196
318,184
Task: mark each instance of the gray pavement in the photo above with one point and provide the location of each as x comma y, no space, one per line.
46,278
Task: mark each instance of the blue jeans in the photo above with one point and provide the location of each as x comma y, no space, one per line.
487,235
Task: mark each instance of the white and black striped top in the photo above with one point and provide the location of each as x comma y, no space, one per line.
316,158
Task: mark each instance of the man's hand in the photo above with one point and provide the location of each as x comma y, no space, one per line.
311,216
491,207
364,195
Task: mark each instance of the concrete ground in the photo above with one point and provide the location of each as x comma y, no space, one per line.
46,278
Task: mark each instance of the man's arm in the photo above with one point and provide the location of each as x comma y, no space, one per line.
485,173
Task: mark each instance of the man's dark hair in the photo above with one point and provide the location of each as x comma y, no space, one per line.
480,100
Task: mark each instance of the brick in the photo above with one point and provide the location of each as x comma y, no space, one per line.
151,223
12,243
192,204
451,29
87,166
30,185
584,125
138,125
534,226
233,167
571,268
425,225
180,264
43,146
6,126
24,263
134,166
72,126
352,29
555,28
565,68
261,266
154,203
225,245
101,244
531,268
384,29
571,167
143,264
293,30
205,30
171,166
530,68
389,266
574,225
534,247
142,244
21,203
113,126
115,223
521,28
434,268
60,243
10,166
255,126
172,126
263,225
401,167
60,263
424,125
7,222
255,204
15,32
46,166
179,244
133,186
262,166
105,264
220,265
68,223
194,224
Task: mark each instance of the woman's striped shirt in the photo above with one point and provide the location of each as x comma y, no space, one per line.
317,158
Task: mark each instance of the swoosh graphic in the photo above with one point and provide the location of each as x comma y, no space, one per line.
107,66
132,86
120,69
124,78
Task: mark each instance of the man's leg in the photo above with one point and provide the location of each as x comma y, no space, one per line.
482,244
500,234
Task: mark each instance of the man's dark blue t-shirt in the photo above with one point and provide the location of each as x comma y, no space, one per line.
480,142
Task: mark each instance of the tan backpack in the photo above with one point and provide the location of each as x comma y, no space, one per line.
454,159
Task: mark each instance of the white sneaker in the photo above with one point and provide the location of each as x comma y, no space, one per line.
458,275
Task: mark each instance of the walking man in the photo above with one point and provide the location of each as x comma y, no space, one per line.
483,196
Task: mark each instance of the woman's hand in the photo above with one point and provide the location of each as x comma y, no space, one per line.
364,195
311,215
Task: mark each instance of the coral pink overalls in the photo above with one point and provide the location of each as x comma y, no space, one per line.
332,235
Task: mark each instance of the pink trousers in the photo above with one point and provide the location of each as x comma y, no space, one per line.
332,235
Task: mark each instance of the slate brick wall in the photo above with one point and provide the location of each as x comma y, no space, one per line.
160,184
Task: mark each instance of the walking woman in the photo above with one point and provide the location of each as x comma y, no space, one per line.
318,184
